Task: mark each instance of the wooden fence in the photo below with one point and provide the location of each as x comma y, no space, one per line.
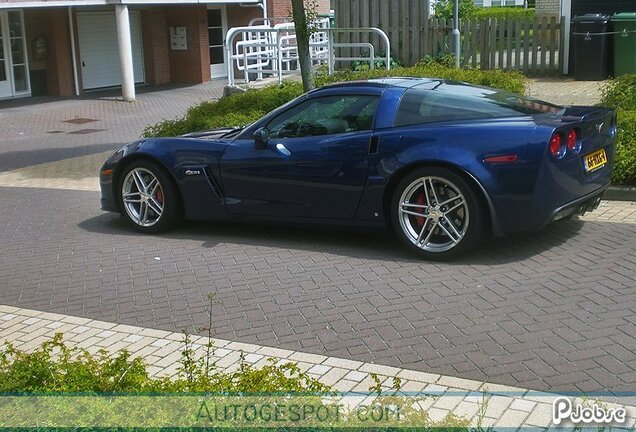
530,46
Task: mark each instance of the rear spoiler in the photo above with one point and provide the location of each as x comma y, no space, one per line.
582,113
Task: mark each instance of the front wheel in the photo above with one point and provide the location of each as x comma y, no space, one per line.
437,213
148,197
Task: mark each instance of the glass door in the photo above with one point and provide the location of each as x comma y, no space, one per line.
217,28
5,73
14,70
18,53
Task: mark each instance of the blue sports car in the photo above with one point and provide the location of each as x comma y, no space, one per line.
441,163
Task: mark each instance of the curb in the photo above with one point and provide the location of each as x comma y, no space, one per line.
620,193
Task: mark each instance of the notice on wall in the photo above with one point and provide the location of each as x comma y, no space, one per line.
178,39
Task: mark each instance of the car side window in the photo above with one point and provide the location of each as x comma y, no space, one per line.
459,102
426,106
326,115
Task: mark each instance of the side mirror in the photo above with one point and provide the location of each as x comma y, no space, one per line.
261,136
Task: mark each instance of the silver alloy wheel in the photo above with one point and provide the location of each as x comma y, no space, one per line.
143,197
433,214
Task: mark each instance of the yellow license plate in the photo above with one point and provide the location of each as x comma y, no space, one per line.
595,160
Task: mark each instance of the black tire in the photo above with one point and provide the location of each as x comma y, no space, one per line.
171,199
468,219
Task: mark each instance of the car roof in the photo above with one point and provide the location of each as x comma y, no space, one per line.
401,82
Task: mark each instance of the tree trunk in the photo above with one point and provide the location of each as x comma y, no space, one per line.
302,42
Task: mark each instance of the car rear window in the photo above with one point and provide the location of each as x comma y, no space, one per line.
454,102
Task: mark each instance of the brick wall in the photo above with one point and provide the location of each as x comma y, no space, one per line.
191,65
52,24
239,16
156,44
282,8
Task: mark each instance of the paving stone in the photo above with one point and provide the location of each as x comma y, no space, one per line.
459,383
356,376
511,418
319,369
418,376
334,375
344,385
305,357
437,414
343,363
275,352
253,358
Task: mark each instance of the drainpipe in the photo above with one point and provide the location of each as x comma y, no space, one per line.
125,52
71,27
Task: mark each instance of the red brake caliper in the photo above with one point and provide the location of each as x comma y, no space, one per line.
159,196
421,200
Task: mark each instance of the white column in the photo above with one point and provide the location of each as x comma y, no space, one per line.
125,52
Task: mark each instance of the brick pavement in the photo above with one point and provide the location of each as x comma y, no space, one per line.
551,311
548,311
565,91
36,130
502,406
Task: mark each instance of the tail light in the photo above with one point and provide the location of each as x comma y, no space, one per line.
558,148
574,143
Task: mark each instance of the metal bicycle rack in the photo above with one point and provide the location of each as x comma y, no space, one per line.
271,50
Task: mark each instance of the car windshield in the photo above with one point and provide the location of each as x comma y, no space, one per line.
449,101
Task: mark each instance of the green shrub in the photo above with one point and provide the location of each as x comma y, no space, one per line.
236,110
244,108
55,367
505,12
506,80
625,165
620,93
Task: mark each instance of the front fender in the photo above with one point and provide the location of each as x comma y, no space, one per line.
192,163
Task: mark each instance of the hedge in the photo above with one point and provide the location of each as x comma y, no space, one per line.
115,388
625,165
505,12
244,108
620,93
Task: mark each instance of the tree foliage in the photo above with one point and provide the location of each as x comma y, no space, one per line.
445,9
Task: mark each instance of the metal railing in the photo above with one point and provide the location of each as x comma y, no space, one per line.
266,50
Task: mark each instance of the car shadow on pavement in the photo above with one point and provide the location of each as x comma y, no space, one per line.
12,160
361,244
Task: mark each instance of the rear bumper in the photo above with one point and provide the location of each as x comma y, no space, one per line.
580,206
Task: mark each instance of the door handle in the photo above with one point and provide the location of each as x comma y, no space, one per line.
281,148
83,64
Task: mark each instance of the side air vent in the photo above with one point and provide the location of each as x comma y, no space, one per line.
213,183
373,145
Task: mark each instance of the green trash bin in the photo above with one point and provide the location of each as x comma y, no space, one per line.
624,28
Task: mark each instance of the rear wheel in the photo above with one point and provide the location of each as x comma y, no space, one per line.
148,197
436,213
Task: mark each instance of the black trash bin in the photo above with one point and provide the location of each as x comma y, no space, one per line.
591,43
